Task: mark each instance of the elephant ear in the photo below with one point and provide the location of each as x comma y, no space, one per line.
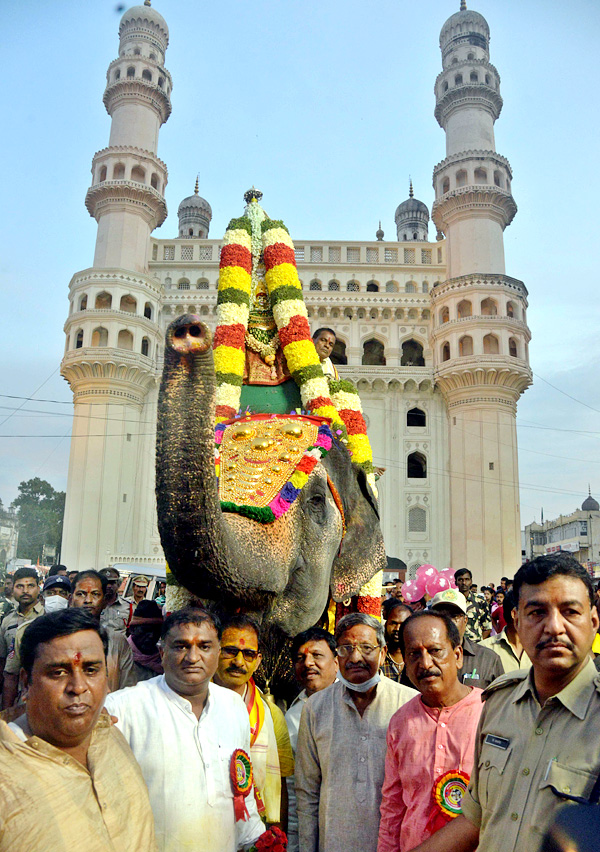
362,551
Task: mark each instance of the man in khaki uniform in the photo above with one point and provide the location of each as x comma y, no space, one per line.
537,746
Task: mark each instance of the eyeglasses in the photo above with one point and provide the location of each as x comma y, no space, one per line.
230,652
363,649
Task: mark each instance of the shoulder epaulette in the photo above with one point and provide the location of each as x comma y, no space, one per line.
510,679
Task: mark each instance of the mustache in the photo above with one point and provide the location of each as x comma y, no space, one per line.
236,669
564,643
429,673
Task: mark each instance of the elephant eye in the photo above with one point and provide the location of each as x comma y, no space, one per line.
317,500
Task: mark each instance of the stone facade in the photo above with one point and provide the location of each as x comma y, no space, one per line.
433,333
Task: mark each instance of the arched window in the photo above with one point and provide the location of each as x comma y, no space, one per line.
412,354
464,309
146,75
125,339
100,337
416,466
314,285
488,80
465,345
131,71
137,51
148,310
373,353
338,354
461,177
103,301
82,303
119,172
470,56
391,287
183,284
153,56
103,172
446,185
117,74
510,309
79,339
512,348
128,304
161,82
480,176
372,287
473,77
138,174
491,345
417,519
154,181
352,286
445,86
444,315
410,287
489,308
446,351
333,285
498,178
425,287
145,347
202,284
458,80
416,417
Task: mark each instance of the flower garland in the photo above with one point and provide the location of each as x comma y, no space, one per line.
292,488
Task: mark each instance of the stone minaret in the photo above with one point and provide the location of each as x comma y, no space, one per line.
112,329
479,330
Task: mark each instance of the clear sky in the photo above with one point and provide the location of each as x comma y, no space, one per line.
328,108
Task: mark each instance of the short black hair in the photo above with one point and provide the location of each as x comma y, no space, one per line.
81,575
508,604
542,568
45,628
451,628
506,579
321,330
461,572
313,634
389,605
191,615
26,571
54,569
241,621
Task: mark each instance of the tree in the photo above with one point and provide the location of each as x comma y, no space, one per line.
40,511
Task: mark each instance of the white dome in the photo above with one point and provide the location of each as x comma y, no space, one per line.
146,18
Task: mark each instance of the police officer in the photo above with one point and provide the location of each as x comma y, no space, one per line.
538,745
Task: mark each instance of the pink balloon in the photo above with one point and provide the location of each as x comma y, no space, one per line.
420,584
412,590
439,583
426,573
423,570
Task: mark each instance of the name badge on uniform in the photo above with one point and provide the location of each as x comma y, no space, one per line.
497,742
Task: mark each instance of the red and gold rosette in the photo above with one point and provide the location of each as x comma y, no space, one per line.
241,774
448,792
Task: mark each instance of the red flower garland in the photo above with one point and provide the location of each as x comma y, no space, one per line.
230,335
297,329
236,255
279,253
354,421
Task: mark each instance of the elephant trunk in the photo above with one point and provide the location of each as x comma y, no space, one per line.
195,538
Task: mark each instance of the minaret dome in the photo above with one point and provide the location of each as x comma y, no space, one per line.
412,219
194,214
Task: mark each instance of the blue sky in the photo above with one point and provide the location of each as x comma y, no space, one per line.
327,107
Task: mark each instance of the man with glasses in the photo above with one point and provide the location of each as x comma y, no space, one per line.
270,747
341,750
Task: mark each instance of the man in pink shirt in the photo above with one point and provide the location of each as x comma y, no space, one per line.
431,739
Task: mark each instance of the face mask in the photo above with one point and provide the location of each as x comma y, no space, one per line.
360,687
55,602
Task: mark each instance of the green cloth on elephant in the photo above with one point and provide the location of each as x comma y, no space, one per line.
271,399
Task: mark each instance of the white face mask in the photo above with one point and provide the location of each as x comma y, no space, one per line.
360,687
55,603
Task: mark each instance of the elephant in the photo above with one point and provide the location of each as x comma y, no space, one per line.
284,571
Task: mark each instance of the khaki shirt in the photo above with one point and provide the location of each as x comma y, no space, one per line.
500,645
12,621
526,756
50,802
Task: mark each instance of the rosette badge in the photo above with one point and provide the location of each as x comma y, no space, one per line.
240,771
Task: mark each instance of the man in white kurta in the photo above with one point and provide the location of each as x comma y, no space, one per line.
184,751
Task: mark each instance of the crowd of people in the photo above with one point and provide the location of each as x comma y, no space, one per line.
436,727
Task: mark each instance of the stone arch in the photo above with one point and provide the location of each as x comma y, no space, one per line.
474,77
489,307
154,181
333,285
511,310
392,287
315,285
338,353
145,349
465,345
498,178
102,175
131,71
138,174
373,353
119,171
462,177
417,519
146,75
445,351
410,287
480,175
416,465
100,336
183,284
202,284
79,338
416,417
464,309
513,349
353,286
444,315
148,310
103,301
412,354
128,304
125,339
372,287
491,345
446,185
82,303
